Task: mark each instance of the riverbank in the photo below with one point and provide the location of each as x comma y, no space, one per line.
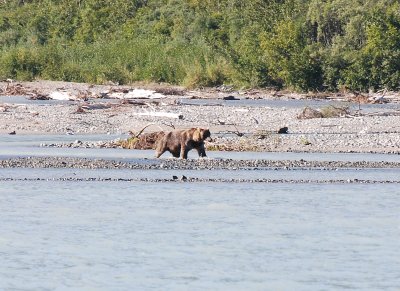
238,120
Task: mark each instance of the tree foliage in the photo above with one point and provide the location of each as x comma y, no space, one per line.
297,44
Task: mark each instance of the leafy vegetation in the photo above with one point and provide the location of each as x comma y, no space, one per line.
294,44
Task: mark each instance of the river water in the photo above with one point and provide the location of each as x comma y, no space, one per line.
194,236
108,235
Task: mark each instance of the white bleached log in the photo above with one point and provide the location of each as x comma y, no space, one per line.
161,114
135,94
62,95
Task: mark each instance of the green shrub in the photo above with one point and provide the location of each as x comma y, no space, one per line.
295,44
21,63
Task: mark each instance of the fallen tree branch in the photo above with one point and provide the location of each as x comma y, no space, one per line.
168,124
140,132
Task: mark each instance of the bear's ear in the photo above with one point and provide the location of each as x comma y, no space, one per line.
197,134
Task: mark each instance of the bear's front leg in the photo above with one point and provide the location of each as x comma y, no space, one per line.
184,151
201,150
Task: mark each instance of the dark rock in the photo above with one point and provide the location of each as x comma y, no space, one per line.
38,96
230,98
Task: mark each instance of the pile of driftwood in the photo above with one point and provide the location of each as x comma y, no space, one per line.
19,90
360,98
146,141
12,90
137,93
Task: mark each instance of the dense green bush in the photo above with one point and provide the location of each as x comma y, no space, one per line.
295,44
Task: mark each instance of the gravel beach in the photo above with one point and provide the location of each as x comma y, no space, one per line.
238,128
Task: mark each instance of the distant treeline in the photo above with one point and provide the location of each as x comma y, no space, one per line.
293,44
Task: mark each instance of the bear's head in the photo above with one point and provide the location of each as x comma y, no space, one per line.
200,134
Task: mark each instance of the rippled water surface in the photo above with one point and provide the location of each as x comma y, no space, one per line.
195,236
105,235
29,145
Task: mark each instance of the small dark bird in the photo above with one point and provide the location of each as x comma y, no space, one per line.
12,133
283,130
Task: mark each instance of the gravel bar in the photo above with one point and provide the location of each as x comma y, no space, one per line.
195,164
202,180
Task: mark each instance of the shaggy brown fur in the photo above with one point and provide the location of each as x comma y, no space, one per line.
180,142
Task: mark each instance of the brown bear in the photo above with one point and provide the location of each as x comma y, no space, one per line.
180,142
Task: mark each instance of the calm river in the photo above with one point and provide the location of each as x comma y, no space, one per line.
106,235
196,236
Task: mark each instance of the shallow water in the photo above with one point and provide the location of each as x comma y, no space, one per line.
190,236
293,175
26,100
29,145
273,103
289,103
